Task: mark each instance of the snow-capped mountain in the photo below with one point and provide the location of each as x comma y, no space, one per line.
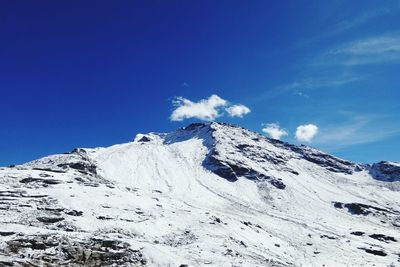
210,194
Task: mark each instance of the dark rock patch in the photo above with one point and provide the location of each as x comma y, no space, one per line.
327,161
82,167
40,180
50,219
357,233
91,184
104,217
359,208
51,209
385,171
232,171
246,223
36,243
144,139
3,233
215,219
48,170
328,237
54,250
338,205
384,238
74,213
375,252
231,252
12,193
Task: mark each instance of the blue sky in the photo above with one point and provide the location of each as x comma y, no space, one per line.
95,73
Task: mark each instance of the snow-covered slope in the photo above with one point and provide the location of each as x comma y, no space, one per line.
209,194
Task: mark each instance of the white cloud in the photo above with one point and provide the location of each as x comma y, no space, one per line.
205,109
274,131
237,110
306,132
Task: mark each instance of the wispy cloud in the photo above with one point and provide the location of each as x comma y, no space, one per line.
320,82
359,19
377,49
357,129
372,50
302,87
351,23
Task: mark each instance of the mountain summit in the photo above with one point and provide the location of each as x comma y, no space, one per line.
208,194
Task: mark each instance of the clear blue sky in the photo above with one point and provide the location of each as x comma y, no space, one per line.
94,73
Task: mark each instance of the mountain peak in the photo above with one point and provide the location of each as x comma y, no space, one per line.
209,193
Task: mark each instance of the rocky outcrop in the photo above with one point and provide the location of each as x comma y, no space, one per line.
327,161
58,250
385,171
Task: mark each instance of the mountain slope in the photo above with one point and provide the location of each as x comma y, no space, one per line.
208,194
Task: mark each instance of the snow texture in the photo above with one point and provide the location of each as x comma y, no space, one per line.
210,194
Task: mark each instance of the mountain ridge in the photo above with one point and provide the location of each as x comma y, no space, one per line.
206,194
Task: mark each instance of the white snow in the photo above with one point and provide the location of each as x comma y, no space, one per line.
158,196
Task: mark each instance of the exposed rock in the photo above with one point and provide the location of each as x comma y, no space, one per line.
359,208
39,180
327,161
5,233
50,219
49,170
232,171
375,252
74,213
180,239
83,167
61,250
144,139
328,237
384,238
159,197
385,171
357,233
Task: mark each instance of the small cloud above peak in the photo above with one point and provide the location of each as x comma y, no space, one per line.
237,110
274,131
205,109
306,132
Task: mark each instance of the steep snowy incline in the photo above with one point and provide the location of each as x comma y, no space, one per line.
208,194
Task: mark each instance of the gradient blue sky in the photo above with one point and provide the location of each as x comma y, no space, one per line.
95,73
